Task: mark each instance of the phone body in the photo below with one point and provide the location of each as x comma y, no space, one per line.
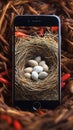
33,26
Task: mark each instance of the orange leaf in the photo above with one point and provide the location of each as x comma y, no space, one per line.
54,28
20,34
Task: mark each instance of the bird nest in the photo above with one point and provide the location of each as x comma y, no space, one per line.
25,50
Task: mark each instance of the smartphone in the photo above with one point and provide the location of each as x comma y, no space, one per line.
36,51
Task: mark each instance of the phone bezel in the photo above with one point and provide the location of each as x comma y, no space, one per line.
34,20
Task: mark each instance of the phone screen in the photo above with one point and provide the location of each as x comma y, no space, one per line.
36,80
36,63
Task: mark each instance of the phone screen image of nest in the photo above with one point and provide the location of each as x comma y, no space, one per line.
36,63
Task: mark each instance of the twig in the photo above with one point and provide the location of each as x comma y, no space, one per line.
3,13
4,40
33,11
14,9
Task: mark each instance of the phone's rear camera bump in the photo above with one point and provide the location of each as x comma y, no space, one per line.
36,106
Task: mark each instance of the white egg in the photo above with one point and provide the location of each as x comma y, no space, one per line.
42,62
43,75
34,75
28,69
45,67
38,69
32,63
38,59
27,75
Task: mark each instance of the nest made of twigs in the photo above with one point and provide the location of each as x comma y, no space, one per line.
47,48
